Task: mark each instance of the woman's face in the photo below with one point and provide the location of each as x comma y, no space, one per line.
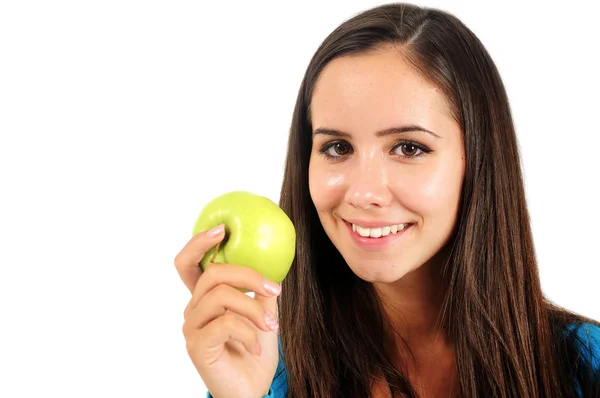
387,164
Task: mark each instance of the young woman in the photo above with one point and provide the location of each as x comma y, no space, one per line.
415,272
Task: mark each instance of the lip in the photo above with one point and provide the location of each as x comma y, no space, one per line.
368,243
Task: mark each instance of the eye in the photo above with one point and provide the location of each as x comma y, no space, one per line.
336,149
410,149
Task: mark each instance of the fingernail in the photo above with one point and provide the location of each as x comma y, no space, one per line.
211,233
258,349
271,322
271,287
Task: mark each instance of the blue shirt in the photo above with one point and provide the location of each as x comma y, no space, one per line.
590,339
588,333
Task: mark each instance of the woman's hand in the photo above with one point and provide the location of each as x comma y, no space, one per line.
230,337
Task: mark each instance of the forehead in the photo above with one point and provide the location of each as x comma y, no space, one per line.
376,88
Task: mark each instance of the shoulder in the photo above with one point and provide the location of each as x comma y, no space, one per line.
586,337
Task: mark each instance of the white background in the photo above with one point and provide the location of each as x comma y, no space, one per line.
120,119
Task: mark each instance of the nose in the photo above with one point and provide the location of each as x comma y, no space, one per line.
368,186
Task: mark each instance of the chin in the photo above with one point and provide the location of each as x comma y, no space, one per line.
379,271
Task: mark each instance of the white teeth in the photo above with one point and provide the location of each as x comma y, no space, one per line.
378,232
363,231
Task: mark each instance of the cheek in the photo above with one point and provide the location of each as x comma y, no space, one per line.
432,191
326,187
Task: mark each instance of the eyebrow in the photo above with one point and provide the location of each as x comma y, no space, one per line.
382,133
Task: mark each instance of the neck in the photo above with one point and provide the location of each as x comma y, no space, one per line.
412,307
416,341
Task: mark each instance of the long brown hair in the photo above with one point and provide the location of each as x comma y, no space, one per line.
510,340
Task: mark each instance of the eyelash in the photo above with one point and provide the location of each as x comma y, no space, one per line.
424,150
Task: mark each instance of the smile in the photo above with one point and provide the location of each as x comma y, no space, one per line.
378,232
377,236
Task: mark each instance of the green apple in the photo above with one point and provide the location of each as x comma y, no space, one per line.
258,234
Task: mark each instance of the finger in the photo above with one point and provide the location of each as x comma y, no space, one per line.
223,298
188,258
221,330
270,306
233,275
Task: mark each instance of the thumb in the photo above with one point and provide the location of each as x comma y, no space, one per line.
268,340
269,303
268,298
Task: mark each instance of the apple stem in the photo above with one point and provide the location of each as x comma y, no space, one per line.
212,260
